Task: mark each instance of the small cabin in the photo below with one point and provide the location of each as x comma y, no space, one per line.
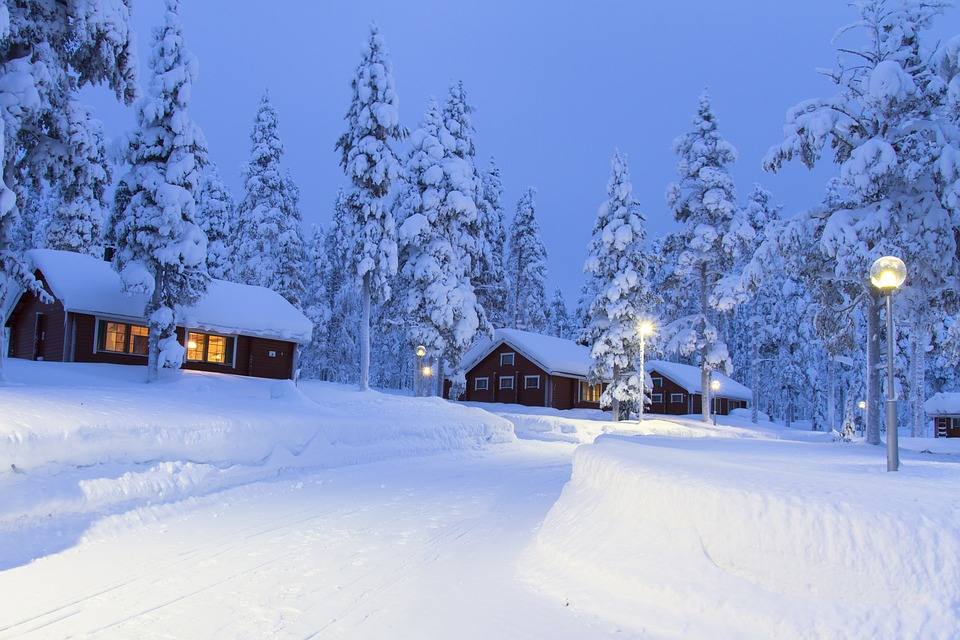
521,367
944,410
676,390
234,328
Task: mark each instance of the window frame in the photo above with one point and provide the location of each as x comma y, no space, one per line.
656,398
500,380
229,348
513,359
676,395
100,337
657,381
486,383
527,378
584,384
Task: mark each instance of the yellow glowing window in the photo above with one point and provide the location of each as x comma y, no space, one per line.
204,347
121,337
590,392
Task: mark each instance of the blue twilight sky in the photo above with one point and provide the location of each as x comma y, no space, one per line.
557,85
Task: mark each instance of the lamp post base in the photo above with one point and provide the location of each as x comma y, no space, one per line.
893,448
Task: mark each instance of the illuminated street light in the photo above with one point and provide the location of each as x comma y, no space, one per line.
426,371
714,387
420,351
888,274
862,405
645,329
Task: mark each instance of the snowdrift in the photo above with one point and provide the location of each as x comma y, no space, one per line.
79,439
743,538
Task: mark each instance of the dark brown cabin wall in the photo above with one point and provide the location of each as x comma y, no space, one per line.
85,348
241,363
669,386
490,368
563,392
23,322
260,363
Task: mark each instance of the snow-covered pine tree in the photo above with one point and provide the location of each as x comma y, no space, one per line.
216,215
616,262
270,250
316,302
50,49
35,215
897,166
161,251
491,281
77,223
559,323
704,202
438,235
368,158
527,268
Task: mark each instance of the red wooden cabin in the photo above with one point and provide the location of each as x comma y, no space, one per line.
676,390
944,409
234,328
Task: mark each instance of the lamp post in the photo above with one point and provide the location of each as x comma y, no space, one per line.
714,387
645,329
887,274
426,372
420,351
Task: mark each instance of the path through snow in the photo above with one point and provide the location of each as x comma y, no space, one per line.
415,548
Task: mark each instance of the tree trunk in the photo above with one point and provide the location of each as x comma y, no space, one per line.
3,351
918,342
754,391
872,421
365,334
614,402
704,365
438,380
831,394
154,332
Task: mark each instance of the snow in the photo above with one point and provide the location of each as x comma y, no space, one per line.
553,355
943,403
88,285
754,539
688,377
83,438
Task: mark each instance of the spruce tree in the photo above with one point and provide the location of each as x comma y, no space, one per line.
77,223
216,215
527,268
616,262
369,159
161,251
316,301
491,281
559,323
704,203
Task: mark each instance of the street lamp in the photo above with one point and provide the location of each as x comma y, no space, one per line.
714,387
420,351
645,329
887,274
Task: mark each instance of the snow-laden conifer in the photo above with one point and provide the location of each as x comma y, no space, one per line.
161,251
491,281
526,268
369,159
216,215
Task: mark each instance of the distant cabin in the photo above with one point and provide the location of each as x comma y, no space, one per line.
234,328
521,367
676,390
944,409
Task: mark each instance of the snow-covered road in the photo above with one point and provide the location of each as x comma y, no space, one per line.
416,548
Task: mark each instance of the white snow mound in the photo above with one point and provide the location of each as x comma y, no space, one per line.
713,537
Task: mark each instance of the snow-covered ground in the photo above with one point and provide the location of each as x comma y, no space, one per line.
78,441
423,548
755,538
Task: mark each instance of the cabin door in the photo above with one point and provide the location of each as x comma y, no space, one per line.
39,336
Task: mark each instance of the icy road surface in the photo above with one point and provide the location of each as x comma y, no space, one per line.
415,548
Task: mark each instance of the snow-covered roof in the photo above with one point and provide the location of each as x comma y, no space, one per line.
943,403
85,284
688,377
554,355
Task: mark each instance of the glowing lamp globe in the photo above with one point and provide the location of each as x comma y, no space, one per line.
420,351
714,385
862,404
645,328
888,273
427,372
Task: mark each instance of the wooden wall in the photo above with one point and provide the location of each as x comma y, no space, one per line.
23,322
490,368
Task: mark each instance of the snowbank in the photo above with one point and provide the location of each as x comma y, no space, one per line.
81,438
742,538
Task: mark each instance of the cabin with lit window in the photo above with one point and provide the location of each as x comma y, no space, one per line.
675,390
234,328
944,409
520,367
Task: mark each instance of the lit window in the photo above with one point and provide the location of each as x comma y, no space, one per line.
590,392
506,382
121,337
531,382
676,398
481,384
204,347
506,359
